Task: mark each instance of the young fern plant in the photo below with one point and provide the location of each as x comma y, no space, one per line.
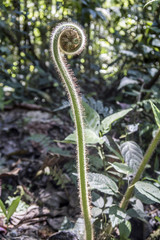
69,38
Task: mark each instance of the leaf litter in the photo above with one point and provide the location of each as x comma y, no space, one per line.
45,202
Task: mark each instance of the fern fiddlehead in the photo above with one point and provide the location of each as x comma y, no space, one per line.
69,38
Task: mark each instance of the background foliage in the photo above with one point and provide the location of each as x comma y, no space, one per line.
122,54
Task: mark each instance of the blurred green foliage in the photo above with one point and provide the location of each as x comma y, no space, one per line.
120,64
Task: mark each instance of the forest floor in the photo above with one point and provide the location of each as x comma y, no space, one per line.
23,170
31,164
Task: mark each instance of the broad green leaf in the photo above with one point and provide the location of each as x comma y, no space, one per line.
95,211
125,230
116,215
122,168
113,147
125,81
156,113
90,136
12,208
99,202
142,198
132,155
102,183
95,161
137,213
2,206
148,190
107,122
92,118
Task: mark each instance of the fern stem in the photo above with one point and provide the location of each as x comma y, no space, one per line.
69,38
146,158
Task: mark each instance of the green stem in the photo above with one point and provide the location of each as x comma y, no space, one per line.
69,38
146,158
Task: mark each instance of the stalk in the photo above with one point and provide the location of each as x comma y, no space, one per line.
69,38
128,194
146,158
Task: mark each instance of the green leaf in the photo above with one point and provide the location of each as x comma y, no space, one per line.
132,155
79,228
95,161
92,118
122,168
116,215
137,213
96,211
102,183
2,206
125,81
99,202
90,136
113,147
156,113
148,191
157,218
125,230
107,122
12,208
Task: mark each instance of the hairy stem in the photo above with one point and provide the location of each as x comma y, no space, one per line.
129,191
69,38
146,158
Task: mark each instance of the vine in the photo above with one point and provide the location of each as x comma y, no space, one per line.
69,38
